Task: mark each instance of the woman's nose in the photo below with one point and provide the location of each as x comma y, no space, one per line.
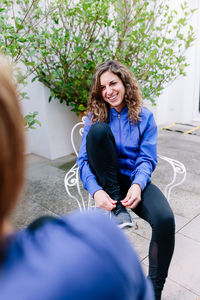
108,90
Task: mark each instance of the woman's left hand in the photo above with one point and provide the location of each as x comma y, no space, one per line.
133,196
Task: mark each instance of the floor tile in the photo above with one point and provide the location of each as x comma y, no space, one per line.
192,229
174,291
140,243
184,268
28,211
185,203
185,265
180,222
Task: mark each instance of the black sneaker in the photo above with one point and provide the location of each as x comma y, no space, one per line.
122,216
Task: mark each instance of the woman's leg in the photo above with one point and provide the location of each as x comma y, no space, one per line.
155,209
102,157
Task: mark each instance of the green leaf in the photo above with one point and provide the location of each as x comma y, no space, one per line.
81,107
33,79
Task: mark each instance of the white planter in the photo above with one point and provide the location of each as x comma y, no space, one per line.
52,139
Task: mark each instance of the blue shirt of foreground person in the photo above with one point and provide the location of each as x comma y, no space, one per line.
81,256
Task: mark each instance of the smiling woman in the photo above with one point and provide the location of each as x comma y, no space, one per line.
117,157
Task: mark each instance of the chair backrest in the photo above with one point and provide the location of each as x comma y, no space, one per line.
179,174
72,181
80,127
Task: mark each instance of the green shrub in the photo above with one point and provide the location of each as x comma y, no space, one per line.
62,42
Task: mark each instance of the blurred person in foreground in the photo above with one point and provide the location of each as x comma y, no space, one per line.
82,256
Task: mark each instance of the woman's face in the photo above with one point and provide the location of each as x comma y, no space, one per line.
112,90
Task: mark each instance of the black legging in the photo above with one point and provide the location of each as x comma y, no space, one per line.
154,207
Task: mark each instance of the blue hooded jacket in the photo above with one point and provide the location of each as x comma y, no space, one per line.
137,151
72,258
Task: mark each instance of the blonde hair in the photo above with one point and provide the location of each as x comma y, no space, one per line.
133,96
11,142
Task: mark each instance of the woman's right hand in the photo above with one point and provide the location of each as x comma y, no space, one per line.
104,201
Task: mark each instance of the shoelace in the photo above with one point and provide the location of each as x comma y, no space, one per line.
118,209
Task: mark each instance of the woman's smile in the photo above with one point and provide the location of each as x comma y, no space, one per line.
113,98
113,90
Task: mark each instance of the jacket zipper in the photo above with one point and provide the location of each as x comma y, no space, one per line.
119,117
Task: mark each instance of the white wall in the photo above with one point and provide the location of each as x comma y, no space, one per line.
176,104
179,101
196,113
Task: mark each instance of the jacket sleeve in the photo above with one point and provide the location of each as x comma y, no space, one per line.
147,156
87,177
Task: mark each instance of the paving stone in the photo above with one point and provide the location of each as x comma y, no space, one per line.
186,128
185,203
184,142
33,160
144,229
140,244
44,171
192,230
185,263
45,186
184,270
28,211
190,160
180,222
55,199
172,290
191,182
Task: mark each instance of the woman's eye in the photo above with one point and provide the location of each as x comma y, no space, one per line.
113,83
102,88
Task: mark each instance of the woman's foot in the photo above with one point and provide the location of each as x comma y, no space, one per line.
122,216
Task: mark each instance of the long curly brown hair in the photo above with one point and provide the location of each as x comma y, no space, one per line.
12,143
133,96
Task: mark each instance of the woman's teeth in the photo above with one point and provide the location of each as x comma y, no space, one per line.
112,98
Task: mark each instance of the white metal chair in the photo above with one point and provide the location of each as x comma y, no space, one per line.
84,202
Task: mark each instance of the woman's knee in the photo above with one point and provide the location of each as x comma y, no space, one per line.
160,215
99,132
165,225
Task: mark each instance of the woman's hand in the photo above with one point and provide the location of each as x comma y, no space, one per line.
103,200
133,196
